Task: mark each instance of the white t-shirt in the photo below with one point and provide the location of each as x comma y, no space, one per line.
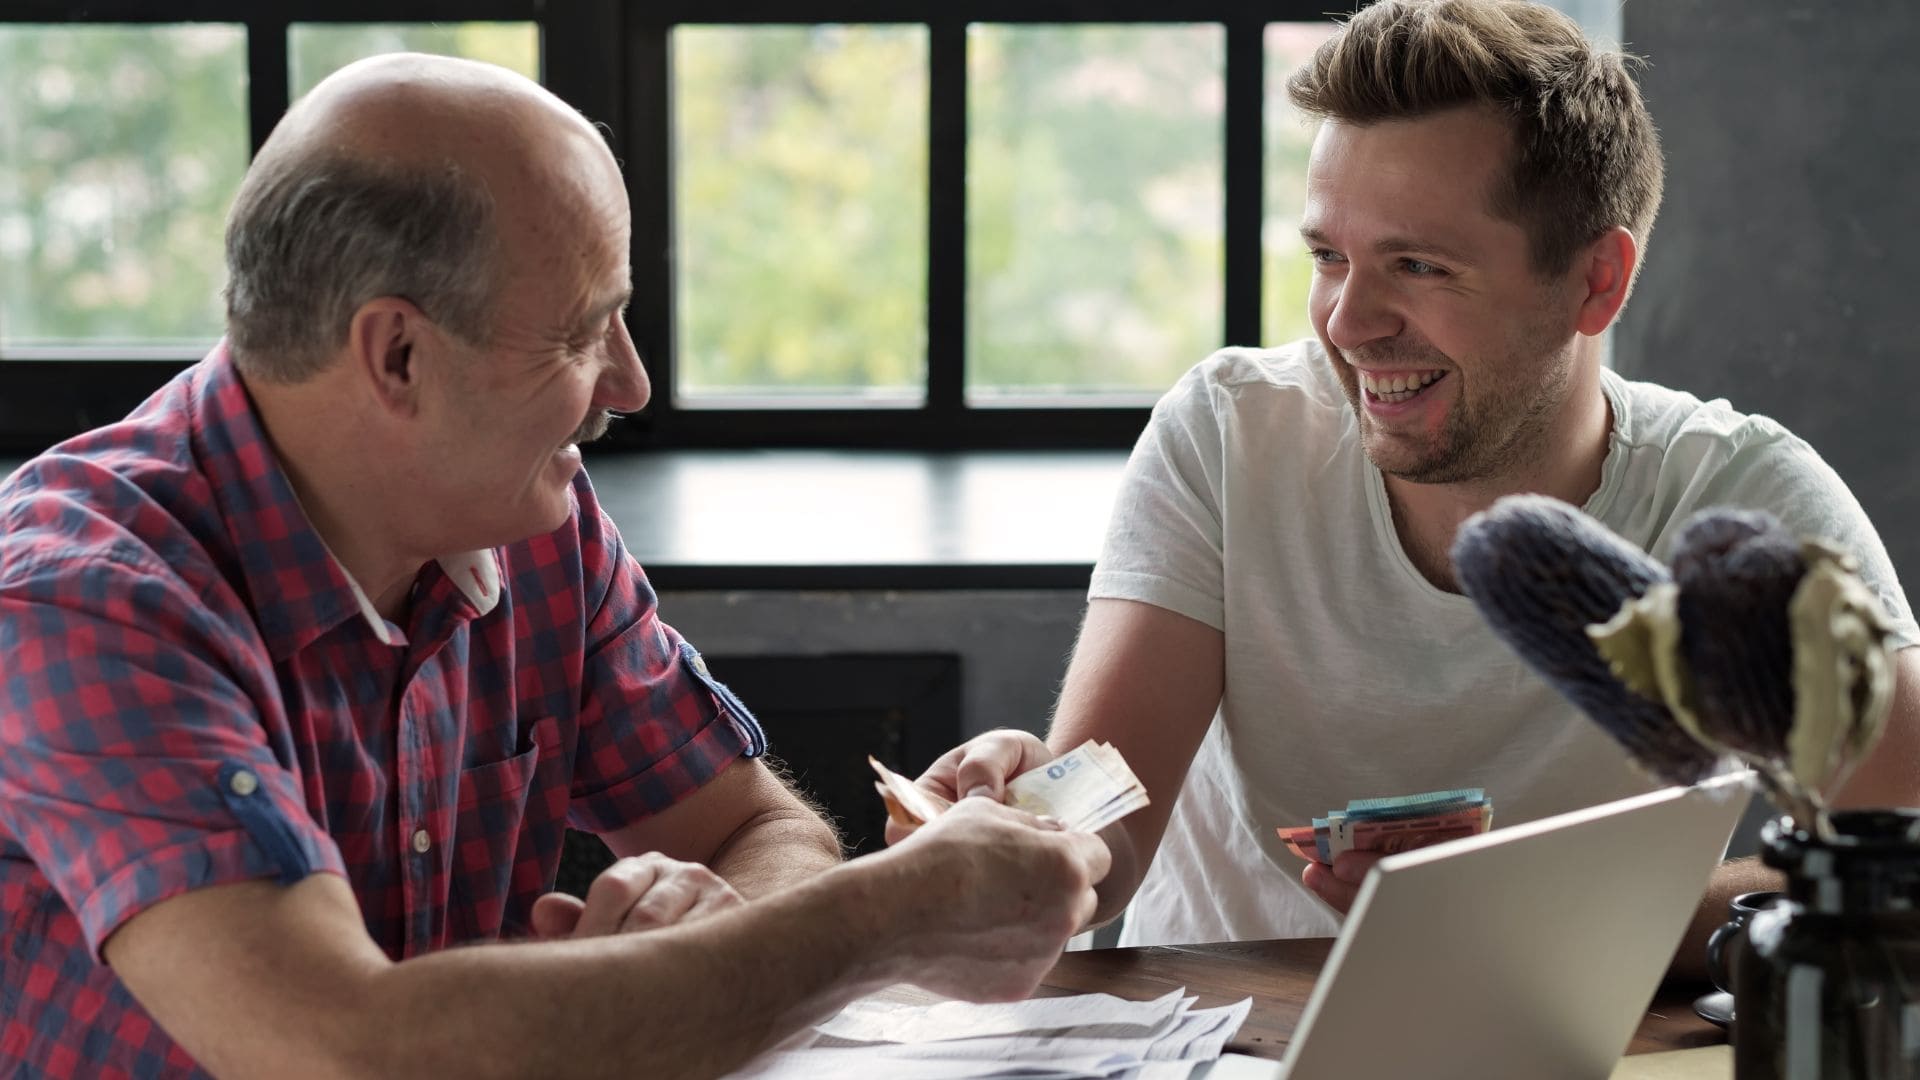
1249,505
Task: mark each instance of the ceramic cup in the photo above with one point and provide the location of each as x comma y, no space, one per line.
1729,939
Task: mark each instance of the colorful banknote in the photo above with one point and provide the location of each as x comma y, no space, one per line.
1390,825
1086,788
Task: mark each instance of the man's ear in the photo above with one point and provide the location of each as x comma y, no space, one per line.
384,339
1605,272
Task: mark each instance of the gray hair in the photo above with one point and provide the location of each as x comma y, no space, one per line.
312,237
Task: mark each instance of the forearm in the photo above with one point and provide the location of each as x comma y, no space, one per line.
1730,879
1131,857
686,1001
254,978
776,851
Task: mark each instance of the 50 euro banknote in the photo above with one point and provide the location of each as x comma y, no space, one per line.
1086,788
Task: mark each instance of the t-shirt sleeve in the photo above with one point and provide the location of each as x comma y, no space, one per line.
133,763
1163,544
654,724
1775,470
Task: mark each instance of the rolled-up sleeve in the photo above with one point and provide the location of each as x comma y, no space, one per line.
133,766
654,724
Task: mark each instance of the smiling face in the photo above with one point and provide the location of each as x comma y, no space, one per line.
1456,355
505,424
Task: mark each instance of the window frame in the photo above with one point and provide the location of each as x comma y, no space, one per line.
617,72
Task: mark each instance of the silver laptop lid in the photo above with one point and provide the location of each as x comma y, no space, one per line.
1529,951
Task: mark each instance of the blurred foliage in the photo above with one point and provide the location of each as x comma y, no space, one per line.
121,148
1285,270
1095,206
800,222
316,50
1094,193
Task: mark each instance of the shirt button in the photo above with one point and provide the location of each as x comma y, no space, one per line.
700,664
243,783
421,841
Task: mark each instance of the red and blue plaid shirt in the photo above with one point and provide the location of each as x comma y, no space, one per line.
194,692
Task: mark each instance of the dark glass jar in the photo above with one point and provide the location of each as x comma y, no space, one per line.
1830,985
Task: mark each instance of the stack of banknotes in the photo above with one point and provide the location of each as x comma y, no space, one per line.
1401,823
1088,788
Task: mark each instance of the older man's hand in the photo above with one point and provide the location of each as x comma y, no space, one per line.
641,893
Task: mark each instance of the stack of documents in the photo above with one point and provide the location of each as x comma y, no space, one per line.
1087,788
1087,1035
1401,823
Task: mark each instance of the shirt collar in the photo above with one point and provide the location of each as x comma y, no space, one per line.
299,591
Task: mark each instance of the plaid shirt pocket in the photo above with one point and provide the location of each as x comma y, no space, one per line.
506,842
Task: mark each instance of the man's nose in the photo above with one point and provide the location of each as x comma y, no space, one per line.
624,388
1363,311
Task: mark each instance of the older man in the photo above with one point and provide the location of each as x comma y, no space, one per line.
1274,626
310,661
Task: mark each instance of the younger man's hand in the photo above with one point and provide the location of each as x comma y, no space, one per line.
980,766
1340,884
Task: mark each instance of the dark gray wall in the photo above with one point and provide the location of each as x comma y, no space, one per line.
1013,644
1783,270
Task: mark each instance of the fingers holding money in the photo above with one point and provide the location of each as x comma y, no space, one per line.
1086,788
983,764
980,766
641,893
988,762
1339,884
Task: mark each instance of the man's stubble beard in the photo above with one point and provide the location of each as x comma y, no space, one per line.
1491,438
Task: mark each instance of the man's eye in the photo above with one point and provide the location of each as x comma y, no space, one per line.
1322,255
1420,268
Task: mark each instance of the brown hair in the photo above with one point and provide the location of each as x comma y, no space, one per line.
1586,157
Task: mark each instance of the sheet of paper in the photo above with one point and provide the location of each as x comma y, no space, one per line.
1084,1035
1238,1067
867,1020
899,1063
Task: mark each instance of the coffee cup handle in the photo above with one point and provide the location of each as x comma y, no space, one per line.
1716,955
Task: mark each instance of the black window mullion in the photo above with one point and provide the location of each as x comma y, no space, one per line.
1245,177
947,217
267,78
649,172
580,62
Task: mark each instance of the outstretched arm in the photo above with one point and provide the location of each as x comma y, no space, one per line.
256,979
1142,678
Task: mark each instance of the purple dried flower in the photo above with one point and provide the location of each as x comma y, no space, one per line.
1541,572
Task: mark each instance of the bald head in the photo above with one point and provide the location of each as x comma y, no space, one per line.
410,110
423,177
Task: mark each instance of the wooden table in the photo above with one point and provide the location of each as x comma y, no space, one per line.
1279,975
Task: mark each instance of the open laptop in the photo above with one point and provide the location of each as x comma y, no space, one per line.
1529,951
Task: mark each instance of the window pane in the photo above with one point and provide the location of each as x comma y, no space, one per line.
800,213
316,50
1285,270
1094,207
120,147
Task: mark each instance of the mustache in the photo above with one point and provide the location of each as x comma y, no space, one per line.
594,426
